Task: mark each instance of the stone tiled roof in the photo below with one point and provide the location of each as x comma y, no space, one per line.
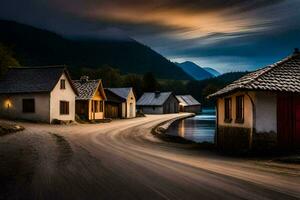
283,76
121,92
86,88
32,79
153,99
187,100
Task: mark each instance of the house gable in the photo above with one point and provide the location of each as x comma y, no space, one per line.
58,95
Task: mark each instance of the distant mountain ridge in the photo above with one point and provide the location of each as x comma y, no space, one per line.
197,72
214,72
33,46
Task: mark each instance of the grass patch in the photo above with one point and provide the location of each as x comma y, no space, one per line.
9,128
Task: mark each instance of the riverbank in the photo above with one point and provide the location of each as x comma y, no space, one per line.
160,131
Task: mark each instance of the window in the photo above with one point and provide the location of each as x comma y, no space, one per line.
28,106
239,109
62,84
64,107
227,110
101,106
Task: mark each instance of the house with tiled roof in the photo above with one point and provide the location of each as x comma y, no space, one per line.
121,103
187,103
261,109
158,103
90,102
43,94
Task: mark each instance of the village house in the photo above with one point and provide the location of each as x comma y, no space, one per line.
158,103
121,103
262,109
90,102
188,103
41,94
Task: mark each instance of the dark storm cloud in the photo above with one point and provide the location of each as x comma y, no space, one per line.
179,29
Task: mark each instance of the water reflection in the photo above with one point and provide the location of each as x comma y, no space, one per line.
200,128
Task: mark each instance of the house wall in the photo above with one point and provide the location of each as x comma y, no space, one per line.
98,115
112,110
152,109
248,111
123,109
130,100
265,112
233,135
265,121
58,95
259,130
15,110
192,109
171,105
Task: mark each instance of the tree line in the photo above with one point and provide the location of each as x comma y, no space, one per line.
111,77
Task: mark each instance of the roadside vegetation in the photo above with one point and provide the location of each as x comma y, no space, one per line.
111,77
6,128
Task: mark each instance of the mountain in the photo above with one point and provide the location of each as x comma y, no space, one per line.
194,70
212,71
33,46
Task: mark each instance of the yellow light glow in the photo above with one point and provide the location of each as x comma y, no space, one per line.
181,128
7,104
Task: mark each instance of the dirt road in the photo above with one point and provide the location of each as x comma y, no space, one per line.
123,160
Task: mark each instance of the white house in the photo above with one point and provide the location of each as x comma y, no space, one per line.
262,109
37,94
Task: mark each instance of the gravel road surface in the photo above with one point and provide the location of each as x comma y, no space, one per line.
123,160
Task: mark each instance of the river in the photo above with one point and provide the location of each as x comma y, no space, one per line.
200,128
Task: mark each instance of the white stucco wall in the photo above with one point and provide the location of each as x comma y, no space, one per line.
265,112
131,100
58,95
15,110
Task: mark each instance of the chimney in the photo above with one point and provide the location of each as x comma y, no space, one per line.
84,79
157,93
296,51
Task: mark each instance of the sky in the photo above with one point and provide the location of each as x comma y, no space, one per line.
228,35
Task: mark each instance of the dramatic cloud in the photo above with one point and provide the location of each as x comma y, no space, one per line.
225,34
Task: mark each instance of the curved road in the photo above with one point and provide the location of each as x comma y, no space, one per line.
123,160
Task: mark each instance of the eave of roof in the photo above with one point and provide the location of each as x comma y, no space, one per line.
269,78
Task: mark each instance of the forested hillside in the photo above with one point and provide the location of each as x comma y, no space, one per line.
34,46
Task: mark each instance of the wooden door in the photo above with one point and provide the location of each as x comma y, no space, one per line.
111,111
